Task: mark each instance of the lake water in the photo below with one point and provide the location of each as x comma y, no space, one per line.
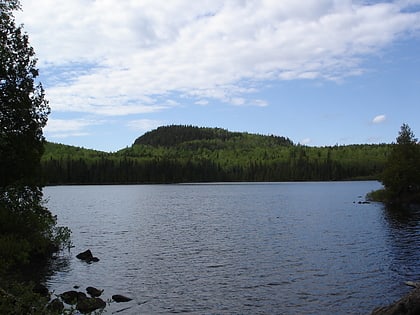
251,248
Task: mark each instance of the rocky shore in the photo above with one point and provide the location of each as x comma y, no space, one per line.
407,305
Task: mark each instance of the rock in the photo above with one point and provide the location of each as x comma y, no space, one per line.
94,292
90,304
120,298
87,256
72,297
413,284
69,297
407,305
81,296
56,306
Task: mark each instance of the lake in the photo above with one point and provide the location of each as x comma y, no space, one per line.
248,248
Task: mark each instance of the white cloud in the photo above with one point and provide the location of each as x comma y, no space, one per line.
260,103
202,102
238,101
144,124
378,119
305,141
60,128
144,51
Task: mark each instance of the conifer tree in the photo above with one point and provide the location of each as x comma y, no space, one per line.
401,176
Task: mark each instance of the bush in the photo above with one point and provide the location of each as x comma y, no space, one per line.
28,230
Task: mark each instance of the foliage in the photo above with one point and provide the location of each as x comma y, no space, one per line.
169,136
23,110
193,154
20,299
401,176
27,228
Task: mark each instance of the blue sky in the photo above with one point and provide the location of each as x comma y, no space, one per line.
321,72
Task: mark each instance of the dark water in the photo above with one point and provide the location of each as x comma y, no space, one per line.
283,248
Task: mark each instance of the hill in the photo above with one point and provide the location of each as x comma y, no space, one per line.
173,135
195,154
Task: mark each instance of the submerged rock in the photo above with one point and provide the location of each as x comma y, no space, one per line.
90,304
87,256
120,298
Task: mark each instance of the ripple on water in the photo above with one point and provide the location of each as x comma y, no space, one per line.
286,248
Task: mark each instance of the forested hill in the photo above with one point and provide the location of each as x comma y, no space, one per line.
193,154
169,136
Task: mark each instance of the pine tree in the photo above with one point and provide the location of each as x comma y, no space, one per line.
401,176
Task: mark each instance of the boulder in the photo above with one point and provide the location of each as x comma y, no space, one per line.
69,297
90,304
72,297
94,292
56,306
120,298
87,256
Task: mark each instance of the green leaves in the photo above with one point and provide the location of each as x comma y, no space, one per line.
23,109
27,228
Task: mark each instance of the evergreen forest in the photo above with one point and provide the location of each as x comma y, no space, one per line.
176,154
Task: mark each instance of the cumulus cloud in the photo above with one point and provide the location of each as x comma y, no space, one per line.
378,119
139,52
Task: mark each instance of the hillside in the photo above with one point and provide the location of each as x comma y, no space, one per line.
170,136
195,154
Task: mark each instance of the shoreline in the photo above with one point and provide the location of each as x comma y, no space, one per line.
409,304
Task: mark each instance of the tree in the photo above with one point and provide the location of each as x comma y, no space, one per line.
27,228
24,110
401,176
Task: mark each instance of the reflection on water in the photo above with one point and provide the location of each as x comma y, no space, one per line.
43,270
284,248
404,240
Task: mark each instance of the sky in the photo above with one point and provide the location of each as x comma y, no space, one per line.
320,72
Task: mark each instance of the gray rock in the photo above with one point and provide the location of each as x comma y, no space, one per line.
120,298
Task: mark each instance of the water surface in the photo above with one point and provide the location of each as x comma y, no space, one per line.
260,248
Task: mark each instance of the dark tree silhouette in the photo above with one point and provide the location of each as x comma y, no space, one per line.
27,228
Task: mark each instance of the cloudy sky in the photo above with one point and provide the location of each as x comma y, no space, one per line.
321,72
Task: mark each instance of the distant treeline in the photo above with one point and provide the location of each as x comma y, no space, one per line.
175,154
